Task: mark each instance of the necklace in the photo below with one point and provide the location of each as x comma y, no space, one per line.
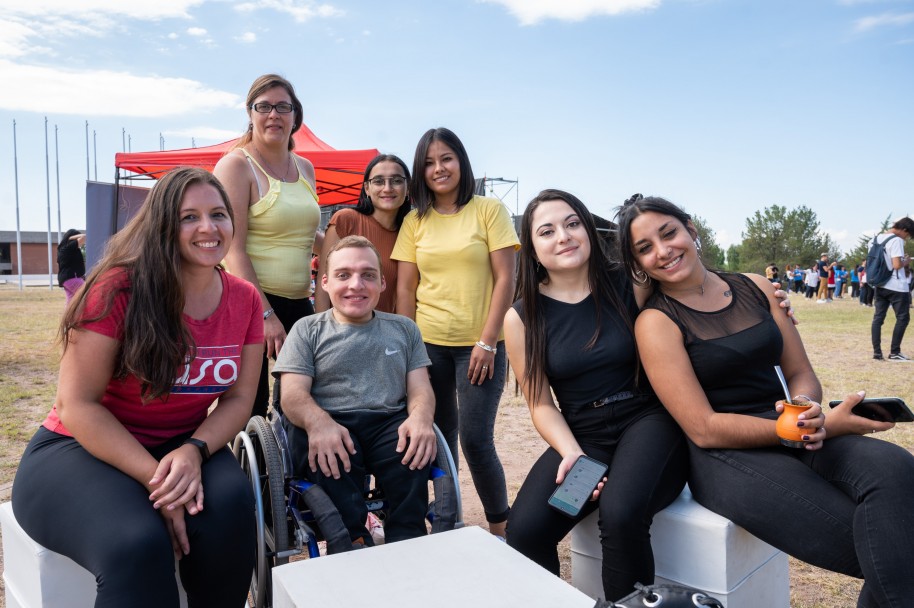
700,288
273,172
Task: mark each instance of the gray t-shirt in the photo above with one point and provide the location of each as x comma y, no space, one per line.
354,367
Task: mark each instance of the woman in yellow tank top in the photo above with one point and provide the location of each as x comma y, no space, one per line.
273,194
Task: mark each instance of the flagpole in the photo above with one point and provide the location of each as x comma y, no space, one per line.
87,150
57,168
47,187
18,232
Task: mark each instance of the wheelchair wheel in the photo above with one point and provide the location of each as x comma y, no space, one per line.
446,510
263,465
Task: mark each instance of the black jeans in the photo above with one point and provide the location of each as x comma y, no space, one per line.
846,507
375,437
648,462
77,505
900,301
288,312
468,411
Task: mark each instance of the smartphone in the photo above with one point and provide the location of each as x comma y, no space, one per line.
578,486
882,409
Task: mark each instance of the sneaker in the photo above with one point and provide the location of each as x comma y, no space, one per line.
877,357
820,301
899,357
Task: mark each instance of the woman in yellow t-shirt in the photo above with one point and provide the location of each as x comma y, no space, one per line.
456,280
273,193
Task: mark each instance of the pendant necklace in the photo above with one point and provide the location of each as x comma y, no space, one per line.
273,172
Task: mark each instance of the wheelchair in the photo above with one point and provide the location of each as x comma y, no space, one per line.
287,513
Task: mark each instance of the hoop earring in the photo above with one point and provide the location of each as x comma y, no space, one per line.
640,278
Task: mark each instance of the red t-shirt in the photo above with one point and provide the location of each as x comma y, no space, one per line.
237,321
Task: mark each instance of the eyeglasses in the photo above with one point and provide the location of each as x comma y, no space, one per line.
263,107
396,181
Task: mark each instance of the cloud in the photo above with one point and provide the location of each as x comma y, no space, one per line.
530,12
14,38
173,36
196,31
57,91
300,10
83,9
205,133
247,37
885,19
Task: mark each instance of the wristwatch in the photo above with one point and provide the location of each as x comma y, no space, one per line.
201,445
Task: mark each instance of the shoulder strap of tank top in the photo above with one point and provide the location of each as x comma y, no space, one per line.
253,162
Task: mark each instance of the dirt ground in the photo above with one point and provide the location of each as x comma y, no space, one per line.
28,379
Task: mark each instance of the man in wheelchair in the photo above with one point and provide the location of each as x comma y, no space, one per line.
356,398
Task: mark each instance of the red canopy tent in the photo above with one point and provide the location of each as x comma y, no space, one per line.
338,172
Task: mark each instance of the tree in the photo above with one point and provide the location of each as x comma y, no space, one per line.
711,253
733,258
776,235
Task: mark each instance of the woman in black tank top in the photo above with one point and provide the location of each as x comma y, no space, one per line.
571,333
709,343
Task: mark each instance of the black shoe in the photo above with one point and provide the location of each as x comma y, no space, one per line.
877,357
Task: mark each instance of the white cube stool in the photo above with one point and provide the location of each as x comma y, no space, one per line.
697,548
35,577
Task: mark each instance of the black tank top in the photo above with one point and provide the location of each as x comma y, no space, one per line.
580,376
733,350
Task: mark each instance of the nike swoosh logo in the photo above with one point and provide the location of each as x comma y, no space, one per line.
390,352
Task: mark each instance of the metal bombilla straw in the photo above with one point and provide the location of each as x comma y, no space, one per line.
777,370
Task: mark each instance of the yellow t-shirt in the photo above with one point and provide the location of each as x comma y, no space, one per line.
455,273
281,228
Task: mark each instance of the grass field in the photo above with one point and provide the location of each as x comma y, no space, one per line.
837,338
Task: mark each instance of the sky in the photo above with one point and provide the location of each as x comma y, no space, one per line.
725,107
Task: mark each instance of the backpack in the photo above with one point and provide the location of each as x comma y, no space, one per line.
878,272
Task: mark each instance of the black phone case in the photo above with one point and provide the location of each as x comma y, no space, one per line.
870,409
570,502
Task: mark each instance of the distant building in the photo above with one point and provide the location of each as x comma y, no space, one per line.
34,252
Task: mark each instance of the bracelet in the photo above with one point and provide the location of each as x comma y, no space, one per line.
486,347
803,399
267,313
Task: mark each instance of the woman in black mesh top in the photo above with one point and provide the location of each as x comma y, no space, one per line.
709,343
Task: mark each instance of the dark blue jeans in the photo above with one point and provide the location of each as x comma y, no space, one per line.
848,507
375,437
467,411
77,505
900,301
648,462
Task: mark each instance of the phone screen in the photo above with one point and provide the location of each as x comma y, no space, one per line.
578,486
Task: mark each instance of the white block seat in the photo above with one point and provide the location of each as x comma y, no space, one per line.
697,548
36,577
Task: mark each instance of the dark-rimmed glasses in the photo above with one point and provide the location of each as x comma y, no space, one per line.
397,181
263,107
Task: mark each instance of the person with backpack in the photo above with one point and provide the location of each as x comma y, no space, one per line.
885,274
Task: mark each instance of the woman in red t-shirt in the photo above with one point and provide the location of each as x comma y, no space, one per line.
120,477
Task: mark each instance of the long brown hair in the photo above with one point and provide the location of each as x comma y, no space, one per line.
156,341
258,88
531,275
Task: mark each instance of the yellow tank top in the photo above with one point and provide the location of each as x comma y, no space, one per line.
281,228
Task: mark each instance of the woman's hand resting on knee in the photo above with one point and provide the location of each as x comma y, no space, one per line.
180,481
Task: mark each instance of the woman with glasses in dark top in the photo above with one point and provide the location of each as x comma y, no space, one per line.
383,203
274,197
